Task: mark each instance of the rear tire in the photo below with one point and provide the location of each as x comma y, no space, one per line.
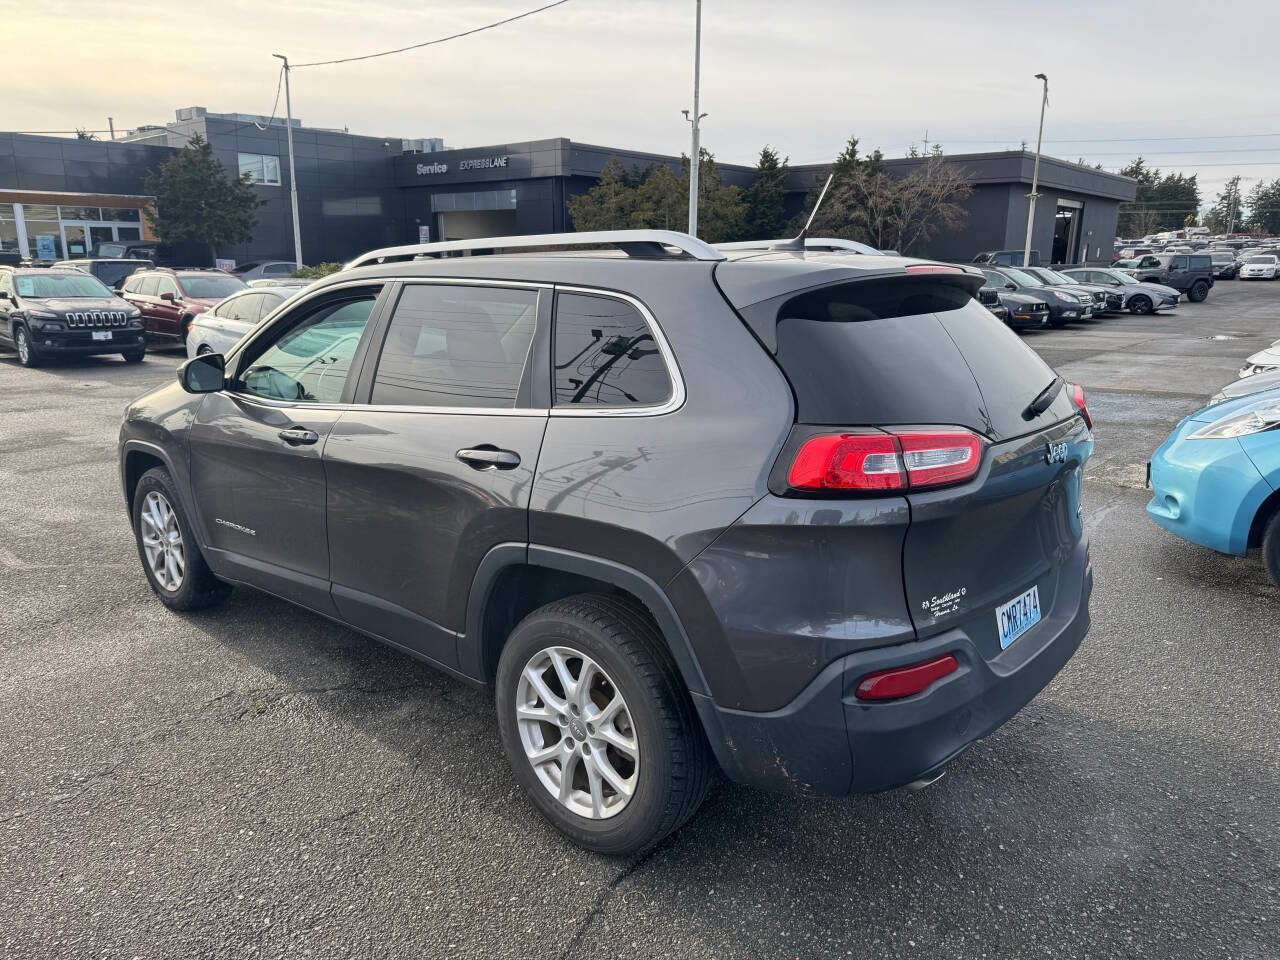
171,558
135,355
1199,290
669,775
27,355
203,349
1271,547
1140,304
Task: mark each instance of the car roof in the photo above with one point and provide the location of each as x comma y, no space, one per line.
285,291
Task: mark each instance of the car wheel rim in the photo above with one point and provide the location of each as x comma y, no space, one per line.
162,542
577,733
24,348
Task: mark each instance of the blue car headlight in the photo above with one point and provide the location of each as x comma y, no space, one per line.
1263,417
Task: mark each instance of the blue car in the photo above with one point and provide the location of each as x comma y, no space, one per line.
1216,480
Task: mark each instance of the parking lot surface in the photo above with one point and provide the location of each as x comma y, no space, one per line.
256,780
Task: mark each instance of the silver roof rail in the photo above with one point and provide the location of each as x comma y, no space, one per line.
636,243
810,243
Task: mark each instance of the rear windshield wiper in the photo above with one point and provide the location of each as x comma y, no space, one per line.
1044,399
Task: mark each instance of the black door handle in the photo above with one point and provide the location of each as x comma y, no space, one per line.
487,457
299,435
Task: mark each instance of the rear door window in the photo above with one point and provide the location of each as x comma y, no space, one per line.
606,355
456,346
148,285
907,352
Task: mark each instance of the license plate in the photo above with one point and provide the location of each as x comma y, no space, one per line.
1087,314
102,334
1019,615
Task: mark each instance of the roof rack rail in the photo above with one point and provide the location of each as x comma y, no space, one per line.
636,243
810,243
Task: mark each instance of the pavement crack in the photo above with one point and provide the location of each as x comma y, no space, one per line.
605,895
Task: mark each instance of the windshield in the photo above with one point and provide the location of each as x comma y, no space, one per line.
1052,276
1265,258
210,286
68,286
1122,277
1220,256
1024,279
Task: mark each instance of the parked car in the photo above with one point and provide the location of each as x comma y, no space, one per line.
112,272
185,255
1135,296
219,329
990,298
1224,264
170,299
1255,383
1189,273
1213,481
1066,304
1263,361
48,313
1259,266
296,282
1026,311
1006,258
1105,300
264,270
639,496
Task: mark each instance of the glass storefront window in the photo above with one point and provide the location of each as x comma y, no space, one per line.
8,228
44,239
122,215
40,211
80,213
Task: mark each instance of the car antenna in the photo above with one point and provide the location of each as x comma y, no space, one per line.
797,242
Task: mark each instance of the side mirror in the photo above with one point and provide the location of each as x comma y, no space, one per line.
167,296
206,373
1011,286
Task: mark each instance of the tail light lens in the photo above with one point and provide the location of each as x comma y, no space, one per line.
1077,397
886,460
906,681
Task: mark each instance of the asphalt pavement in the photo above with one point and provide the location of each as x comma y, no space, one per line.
257,781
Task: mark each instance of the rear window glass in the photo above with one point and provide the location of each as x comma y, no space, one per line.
605,354
917,351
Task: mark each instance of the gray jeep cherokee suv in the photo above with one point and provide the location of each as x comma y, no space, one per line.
814,516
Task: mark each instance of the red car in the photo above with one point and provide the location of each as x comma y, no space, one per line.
170,299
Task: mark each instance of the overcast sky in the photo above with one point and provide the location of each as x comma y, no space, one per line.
799,74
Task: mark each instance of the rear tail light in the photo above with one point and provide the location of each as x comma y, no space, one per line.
886,460
1077,397
906,681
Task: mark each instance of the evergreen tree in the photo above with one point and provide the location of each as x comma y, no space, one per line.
197,202
1227,212
609,205
1264,207
766,197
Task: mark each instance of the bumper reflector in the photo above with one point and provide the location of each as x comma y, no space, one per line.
905,681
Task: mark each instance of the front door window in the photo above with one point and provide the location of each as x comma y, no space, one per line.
310,361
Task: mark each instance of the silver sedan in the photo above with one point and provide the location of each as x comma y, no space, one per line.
1138,297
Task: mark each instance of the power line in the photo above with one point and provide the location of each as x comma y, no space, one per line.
429,43
267,125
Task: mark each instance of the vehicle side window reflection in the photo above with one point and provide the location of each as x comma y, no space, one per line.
605,354
309,363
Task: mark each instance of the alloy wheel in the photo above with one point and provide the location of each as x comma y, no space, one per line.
577,733
24,346
162,542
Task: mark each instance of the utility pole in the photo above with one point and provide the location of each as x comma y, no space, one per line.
1035,174
1231,202
695,154
111,125
293,179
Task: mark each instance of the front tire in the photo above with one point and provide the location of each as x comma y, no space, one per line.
597,725
174,565
1271,547
135,355
27,355
1199,290
1140,304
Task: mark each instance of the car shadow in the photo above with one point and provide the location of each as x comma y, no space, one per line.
1029,834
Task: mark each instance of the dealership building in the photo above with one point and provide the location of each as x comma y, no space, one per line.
60,196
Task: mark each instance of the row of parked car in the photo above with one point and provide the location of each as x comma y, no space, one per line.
1037,297
103,306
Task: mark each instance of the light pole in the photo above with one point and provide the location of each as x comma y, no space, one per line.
1035,173
293,179
696,120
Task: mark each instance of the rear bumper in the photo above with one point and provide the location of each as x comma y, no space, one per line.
827,741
